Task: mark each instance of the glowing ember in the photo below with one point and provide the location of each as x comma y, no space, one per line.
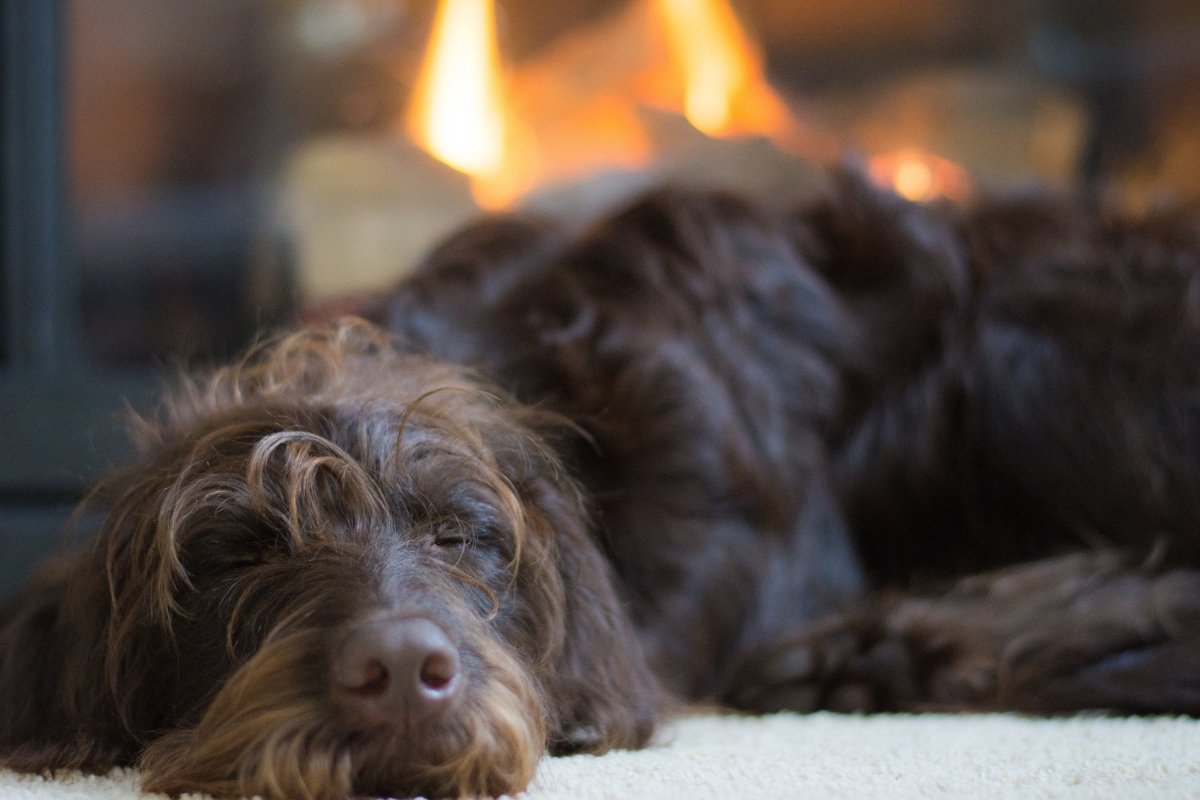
920,177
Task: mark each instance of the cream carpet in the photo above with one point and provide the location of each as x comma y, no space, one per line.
830,756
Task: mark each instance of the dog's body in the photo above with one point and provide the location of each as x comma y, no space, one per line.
698,452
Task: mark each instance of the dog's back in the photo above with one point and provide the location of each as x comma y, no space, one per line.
783,413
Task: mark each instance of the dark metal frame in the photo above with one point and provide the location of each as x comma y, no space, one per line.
58,415
37,279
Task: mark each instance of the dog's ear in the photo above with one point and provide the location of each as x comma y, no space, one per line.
602,694
599,691
41,643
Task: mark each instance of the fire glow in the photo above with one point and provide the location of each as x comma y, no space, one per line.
918,176
692,58
459,114
725,92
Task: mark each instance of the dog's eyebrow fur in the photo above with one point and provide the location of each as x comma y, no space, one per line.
306,457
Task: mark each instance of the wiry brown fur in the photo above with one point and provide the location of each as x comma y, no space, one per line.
260,526
867,455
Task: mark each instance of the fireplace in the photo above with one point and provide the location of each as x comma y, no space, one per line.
180,174
230,159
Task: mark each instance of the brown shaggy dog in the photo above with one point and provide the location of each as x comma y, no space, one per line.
869,455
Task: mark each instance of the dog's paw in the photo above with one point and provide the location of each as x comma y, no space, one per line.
1084,631
841,663
1058,635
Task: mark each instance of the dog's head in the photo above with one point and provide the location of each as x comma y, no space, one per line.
336,569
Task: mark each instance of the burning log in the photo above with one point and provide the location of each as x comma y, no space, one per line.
610,110
359,210
665,91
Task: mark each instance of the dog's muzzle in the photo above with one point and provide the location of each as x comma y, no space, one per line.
397,672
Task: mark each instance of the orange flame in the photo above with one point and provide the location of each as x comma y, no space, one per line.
690,57
458,111
724,86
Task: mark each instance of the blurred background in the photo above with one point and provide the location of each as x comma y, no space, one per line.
178,174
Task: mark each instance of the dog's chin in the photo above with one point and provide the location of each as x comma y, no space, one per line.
266,734
489,744
467,756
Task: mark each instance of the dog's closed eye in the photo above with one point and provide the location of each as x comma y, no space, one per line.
451,536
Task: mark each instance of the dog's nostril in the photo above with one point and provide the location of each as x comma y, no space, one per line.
397,670
439,671
372,678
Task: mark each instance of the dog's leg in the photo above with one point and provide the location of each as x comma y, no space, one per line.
1089,630
1083,631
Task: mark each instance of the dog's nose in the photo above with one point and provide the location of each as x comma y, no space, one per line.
397,671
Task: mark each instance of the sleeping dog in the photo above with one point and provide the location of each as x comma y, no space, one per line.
864,455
